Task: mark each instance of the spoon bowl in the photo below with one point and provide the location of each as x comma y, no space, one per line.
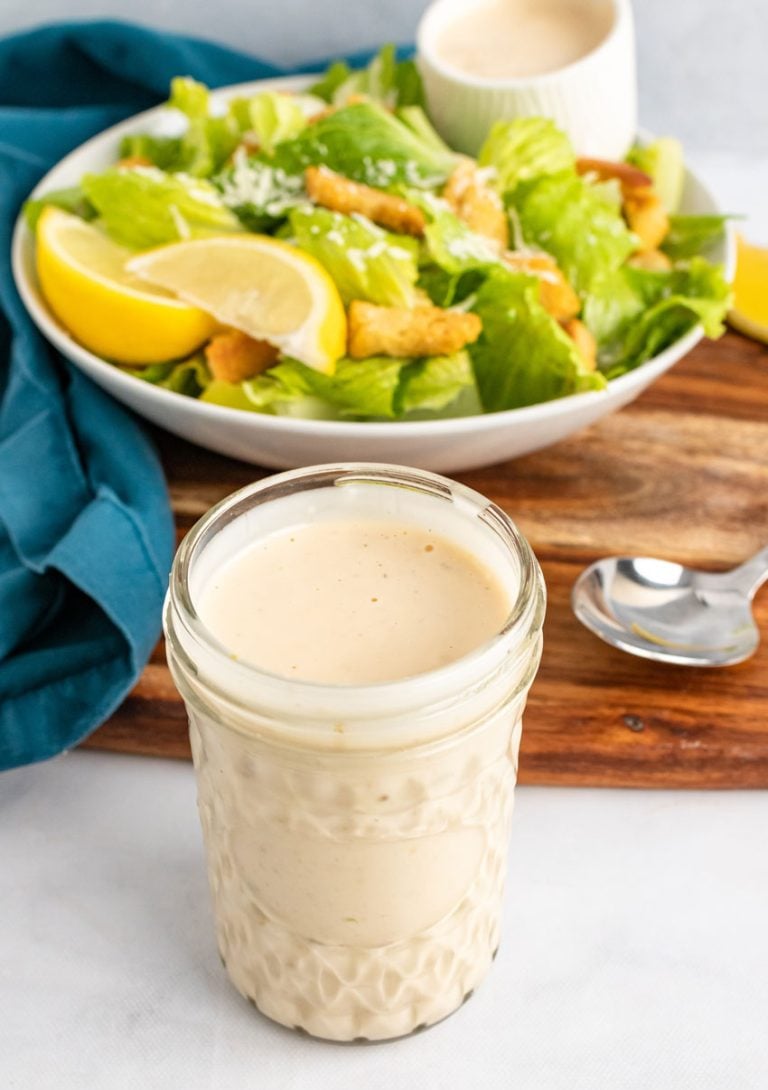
664,611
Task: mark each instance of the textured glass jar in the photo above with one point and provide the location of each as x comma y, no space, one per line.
356,835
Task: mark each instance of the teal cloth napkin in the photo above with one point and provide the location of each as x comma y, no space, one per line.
86,534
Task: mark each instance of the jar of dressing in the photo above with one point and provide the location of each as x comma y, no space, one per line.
355,644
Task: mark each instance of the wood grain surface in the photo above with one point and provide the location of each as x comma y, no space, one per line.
682,473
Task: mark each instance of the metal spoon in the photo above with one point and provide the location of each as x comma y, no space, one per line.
665,611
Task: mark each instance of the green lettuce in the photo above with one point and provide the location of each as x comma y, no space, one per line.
368,144
144,207
208,140
229,394
448,289
616,299
579,223
165,152
449,242
441,386
663,162
260,195
72,199
364,389
634,314
696,293
386,80
365,261
523,357
525,148
692,235
415,119
271,117
190,377
290,389
378,388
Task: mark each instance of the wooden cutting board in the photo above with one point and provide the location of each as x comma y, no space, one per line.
683,474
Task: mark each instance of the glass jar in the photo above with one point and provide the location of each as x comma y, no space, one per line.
356,835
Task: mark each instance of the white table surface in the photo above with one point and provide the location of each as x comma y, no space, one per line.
634,954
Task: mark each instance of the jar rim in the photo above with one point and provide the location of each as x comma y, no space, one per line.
180,607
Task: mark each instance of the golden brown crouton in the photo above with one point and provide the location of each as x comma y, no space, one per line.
647,217
130,161
234,356
643,208
556,294
339,194
627,175
476,203
585,343
652,260
424,331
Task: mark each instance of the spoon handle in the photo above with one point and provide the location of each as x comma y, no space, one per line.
751,575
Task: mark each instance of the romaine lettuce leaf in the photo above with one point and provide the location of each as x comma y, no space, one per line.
615,300
368,144
449,242
414,118
189,377
72,199
330,81
229,394
525,148
365,261
379,388
386,80
208,140
635,314
579,223
271,117
144,207
692,235
693,293
366,388
290,389
663,161
448,289
523,357
166,152
260,195
362,389
441,386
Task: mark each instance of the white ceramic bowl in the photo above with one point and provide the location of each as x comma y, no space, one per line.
444,446
593,99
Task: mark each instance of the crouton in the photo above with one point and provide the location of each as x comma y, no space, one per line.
128,162
556,294
234,356
647,217
339,194
585,343
652,260
643,208
424,331
476,203
625,174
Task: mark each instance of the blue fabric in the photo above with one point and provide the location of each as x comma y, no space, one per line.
86,533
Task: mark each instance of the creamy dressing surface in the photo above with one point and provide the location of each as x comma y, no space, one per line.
502,39
353,602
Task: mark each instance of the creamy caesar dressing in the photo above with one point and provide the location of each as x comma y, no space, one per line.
501,39
353,601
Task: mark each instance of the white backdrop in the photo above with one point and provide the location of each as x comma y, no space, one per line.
702,62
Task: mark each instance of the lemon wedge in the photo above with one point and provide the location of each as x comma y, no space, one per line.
84,279
257,284
750,291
